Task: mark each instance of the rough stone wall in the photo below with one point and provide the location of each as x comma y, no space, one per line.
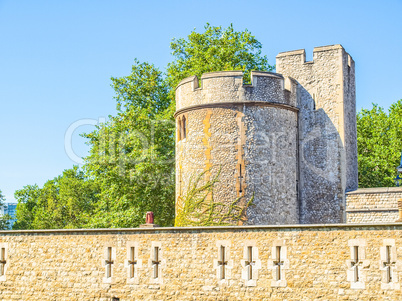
327,130
249,134
209,147
271,165
373,205
350,126
70,265
227,86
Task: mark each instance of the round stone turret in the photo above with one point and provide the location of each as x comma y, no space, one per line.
245,137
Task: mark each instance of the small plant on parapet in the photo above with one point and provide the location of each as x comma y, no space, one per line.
199,208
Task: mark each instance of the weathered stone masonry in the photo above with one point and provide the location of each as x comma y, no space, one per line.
249,134
315,262
373,205
288,141
327,135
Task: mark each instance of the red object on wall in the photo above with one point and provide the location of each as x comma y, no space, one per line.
150,218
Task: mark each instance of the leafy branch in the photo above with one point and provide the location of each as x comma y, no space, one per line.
198,207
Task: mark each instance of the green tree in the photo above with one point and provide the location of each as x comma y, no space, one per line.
132,155
216,49
379,144
4,219
65,202
27,198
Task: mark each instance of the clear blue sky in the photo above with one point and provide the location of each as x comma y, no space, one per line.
57,57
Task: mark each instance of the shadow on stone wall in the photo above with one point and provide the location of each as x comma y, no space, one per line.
320,150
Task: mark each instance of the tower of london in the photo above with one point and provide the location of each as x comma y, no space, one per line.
287,140
275,154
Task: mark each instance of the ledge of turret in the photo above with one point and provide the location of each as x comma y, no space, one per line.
292,52
265,73
228,87
328,47
191,79
233,73
238,74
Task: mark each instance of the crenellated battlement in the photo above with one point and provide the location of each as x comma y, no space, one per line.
228,87
296,59
327,92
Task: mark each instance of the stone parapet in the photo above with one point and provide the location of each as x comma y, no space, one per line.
228,87
371,205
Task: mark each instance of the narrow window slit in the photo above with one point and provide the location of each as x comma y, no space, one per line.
109,262
132,262
3,261
278,263
222,262
156,262
388,264
240,179
355,264
250,263
184,128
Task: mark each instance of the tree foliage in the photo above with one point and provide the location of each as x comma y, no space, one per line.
4,219
130,167
216,49
379,144
132,155
65,202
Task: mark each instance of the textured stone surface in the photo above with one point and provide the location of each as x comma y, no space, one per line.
227,86
373,205
69,265
294,135
327,130
271,168
249,134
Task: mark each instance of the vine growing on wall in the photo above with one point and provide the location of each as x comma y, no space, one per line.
198,207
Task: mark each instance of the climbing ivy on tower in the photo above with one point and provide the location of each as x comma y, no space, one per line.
198,207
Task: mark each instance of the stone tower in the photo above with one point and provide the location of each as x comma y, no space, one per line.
286,142
327,130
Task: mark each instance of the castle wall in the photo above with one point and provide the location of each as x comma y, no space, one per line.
70,264
327,130
350,123
271,165
373,205
245,133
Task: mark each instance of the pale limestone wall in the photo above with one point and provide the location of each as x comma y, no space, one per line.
372,216
249,134
327,130
373,205
70,265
